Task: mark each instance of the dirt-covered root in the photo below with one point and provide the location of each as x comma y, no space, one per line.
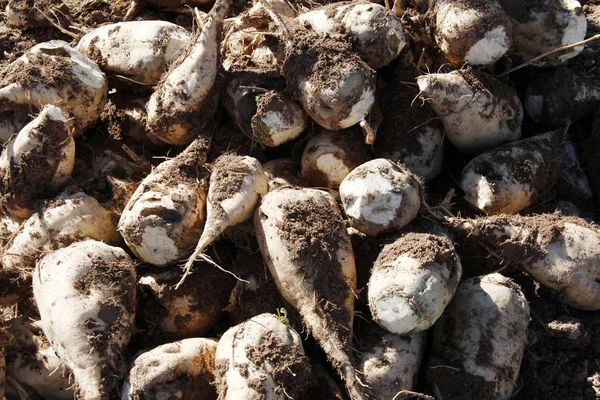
174,109
27,14
193,308
562,253
11,122
54,73
507,179
179,370
329,157
85,294
124,118
542,26
139,50
479,341
278,119
390,363
376,33
37,162
559,96
409,134
303,240
262,111
282,172
470,31
262,358
478,111
164,218
335,87
412,282
68,218
380,196
32,362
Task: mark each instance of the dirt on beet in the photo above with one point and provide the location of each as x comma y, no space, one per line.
289,367
208,291
405,120
428,249
31,179
346,146
315,234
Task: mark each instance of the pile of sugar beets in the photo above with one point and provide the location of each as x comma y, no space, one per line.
252,202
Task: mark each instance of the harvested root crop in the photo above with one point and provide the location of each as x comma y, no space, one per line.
316,276
542,26
329,157
560,96
32,362
236,185
27,14
380,196
124,117
86,297
410,135
262,111
390,363
37,162
69,218
562,253
507,179
335,98
54,73
377,34
165,216
412,282
184,370
480,341
139,50
262,358
193,308
478,111
282,172
174,109
470,31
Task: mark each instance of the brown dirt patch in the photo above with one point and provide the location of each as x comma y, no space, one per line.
290,368
424,247
315,233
